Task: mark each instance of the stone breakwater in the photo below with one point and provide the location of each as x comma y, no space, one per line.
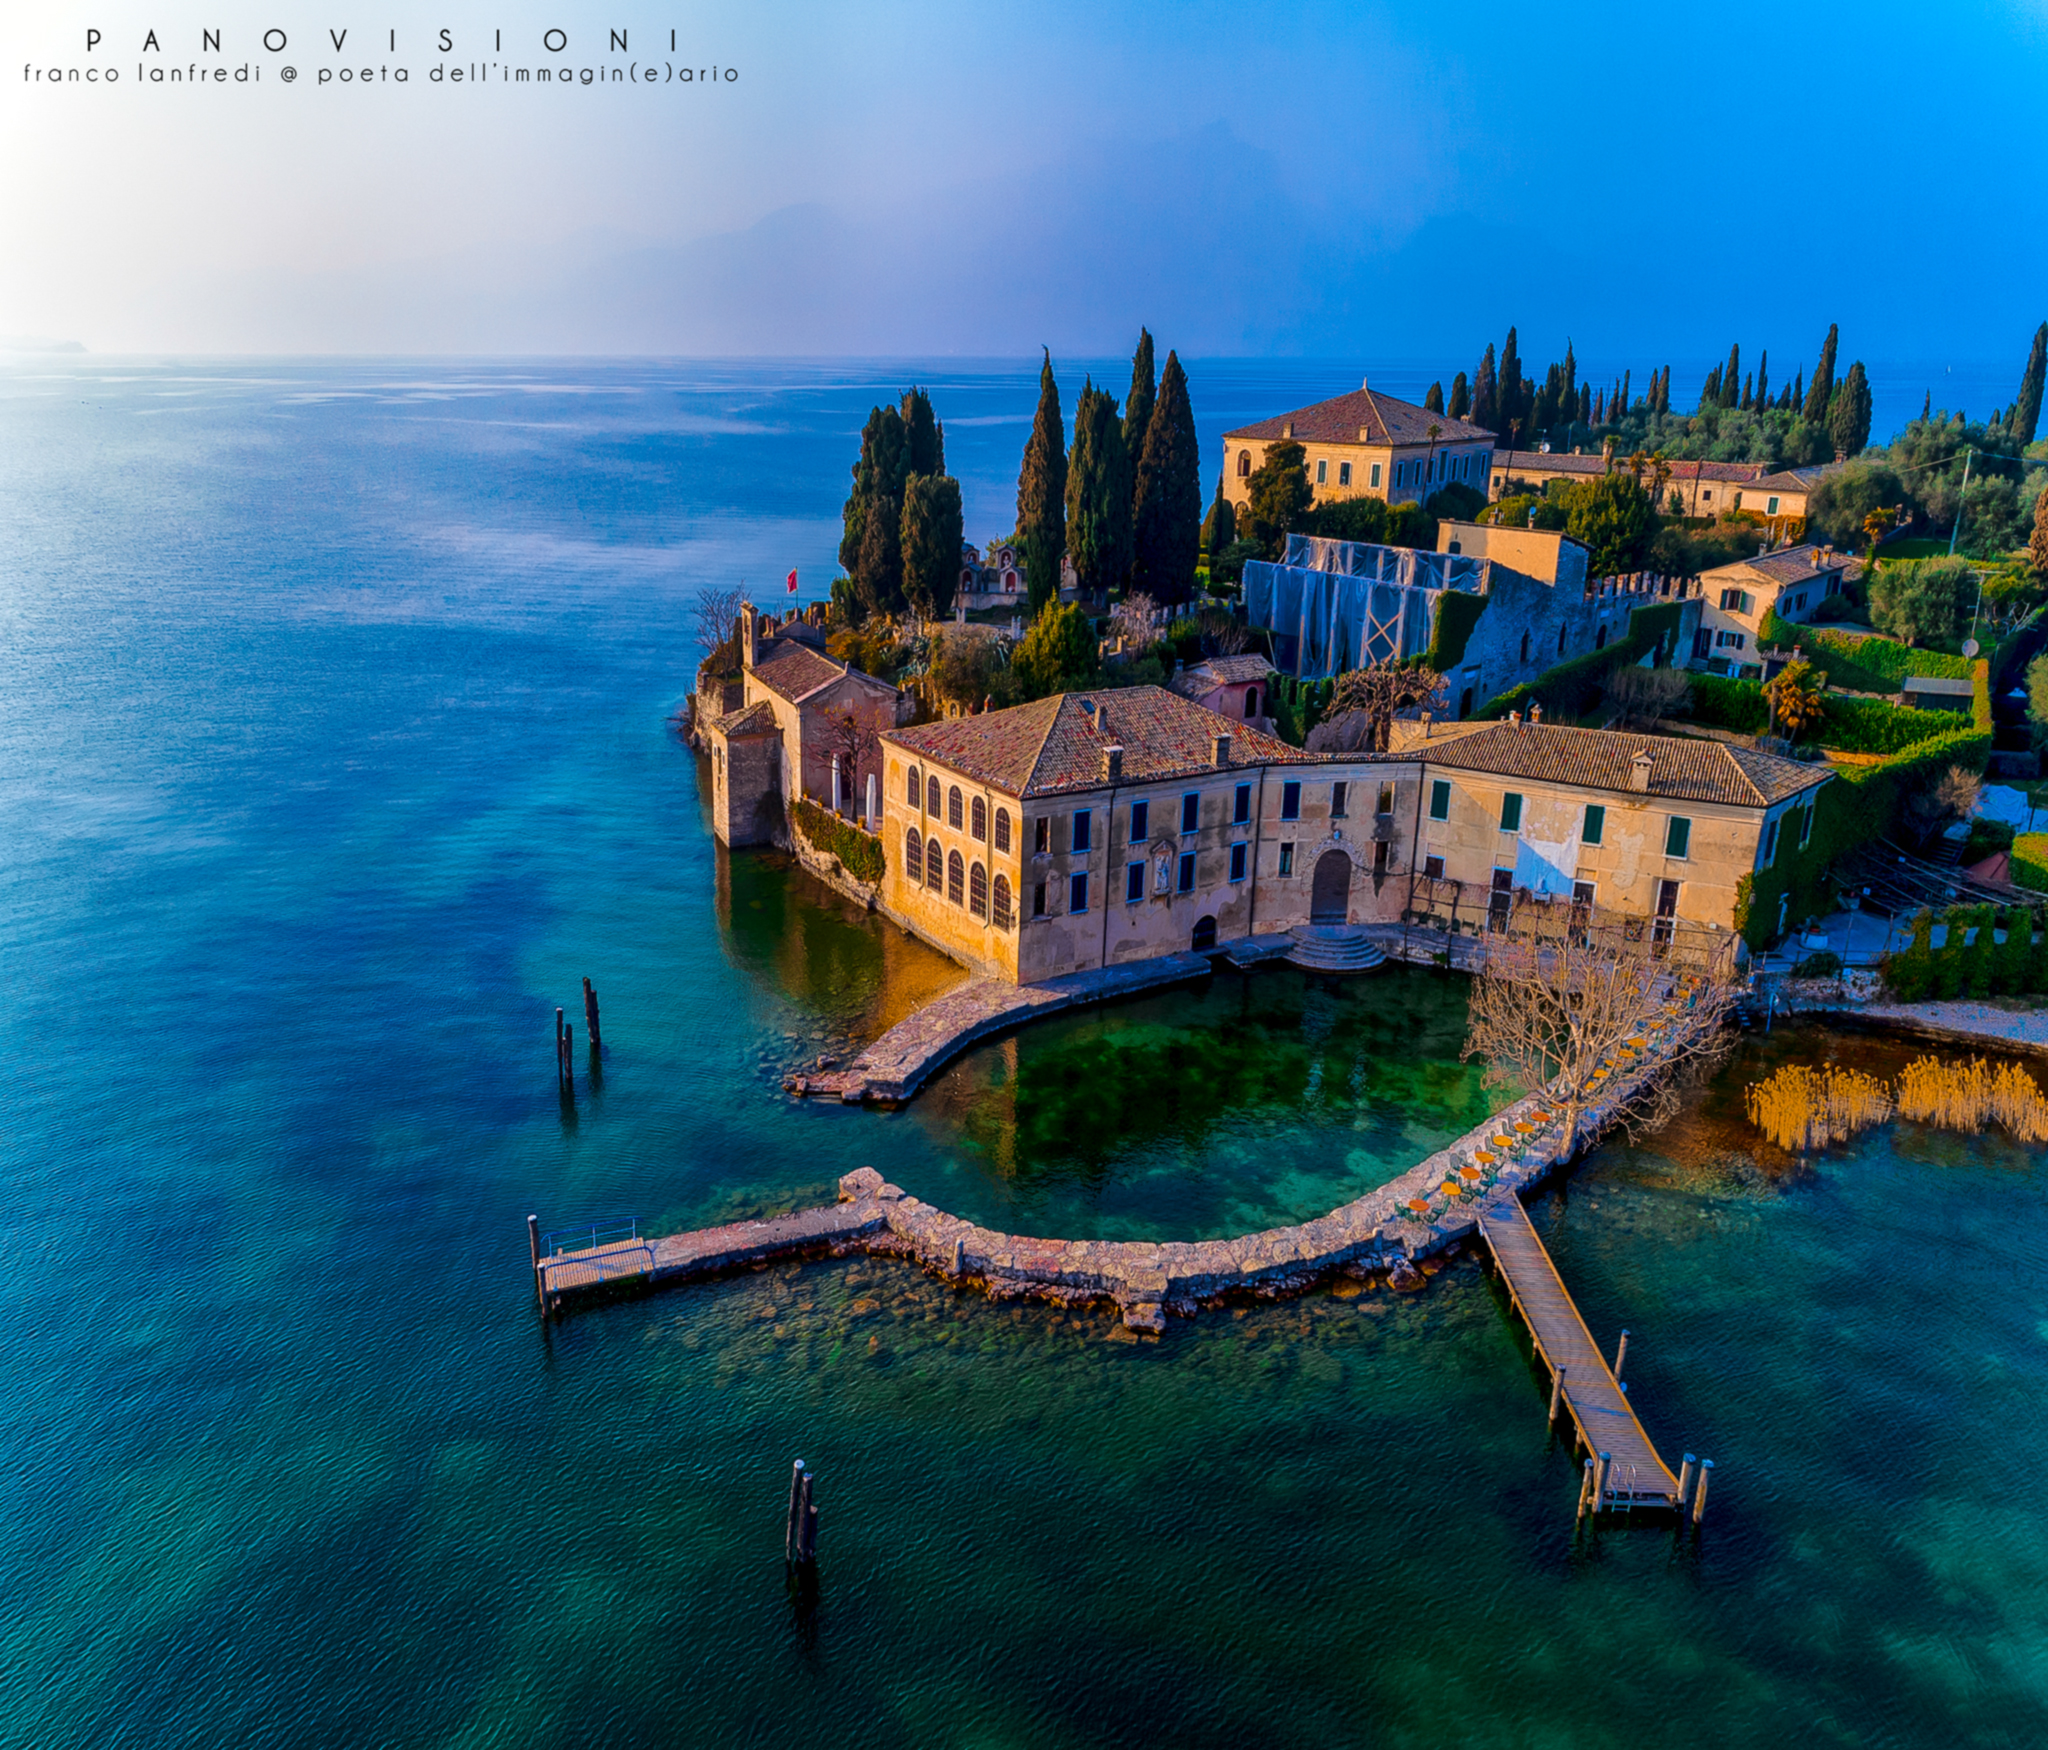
1388,1229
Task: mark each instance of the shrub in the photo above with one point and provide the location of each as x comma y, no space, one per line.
1825,964
2030,861
1987,838
1909,973
859,853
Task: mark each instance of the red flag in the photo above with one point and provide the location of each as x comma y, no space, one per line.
792,583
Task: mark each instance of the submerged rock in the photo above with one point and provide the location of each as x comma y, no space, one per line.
1406,1279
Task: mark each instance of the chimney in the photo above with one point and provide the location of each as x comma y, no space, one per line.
1112,764
1102,719
1639,772
1287,430
749,632
1536,713
1515,717
1222,749
1364,383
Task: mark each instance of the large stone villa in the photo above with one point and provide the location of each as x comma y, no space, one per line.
1367,444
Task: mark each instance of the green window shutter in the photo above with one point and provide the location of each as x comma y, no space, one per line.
1678,836
1596,824
1510,812
1440,800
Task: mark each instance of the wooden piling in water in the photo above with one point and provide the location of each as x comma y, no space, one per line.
1685,1472
1699,1493
561,1055
1585,1489
590,1015
1600,1470
800,1541
796,1509
569,1062
1556,1393
533,1247
1621,1359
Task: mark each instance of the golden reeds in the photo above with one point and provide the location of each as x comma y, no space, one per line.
1800,1108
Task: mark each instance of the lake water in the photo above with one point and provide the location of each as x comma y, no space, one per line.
334,752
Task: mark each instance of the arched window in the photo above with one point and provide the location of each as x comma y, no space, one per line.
1002,831
1244,464
931,796
913,855
1003,916
953,807
1525,647
1560,641
956,873
916,788
934,865
977,891
1251,701
978,818
1600,643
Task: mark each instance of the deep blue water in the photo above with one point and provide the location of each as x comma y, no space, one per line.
333,752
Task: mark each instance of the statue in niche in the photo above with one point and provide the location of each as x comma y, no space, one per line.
1162,873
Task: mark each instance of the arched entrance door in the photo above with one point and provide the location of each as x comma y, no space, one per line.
1329,899
1205,935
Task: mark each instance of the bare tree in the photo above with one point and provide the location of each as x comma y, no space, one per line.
1639,696
859,750
715,614
1383,690
1566,1002
1951,796
1131,620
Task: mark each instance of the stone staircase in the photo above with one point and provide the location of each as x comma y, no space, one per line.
1334,948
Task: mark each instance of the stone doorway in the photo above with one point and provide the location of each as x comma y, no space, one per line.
1205,935
1329,899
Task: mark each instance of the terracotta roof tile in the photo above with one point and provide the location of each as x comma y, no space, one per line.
755,719
1385,418
1683,472
1603,759
1792,565
1219,671
1053,745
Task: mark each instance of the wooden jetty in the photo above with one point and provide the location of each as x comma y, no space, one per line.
1581,1380
594,1258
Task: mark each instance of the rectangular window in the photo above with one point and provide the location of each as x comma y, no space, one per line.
1805,825
1141,821
1596,824
1134,883
1322,473
1343,473
1375,473
1771,505
1241,805
1510,812
1038,900
1190,812
1386,799
1433,868
1077,890
1338,795
1084,837
1238,852
1187,872
1290,801
1041,838
1678,836
1287,859
1770,844
1440,800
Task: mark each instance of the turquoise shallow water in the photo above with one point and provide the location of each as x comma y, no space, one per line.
333,753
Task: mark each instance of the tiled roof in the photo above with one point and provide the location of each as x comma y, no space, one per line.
1219,671
755,719
1790,565
1790,480
1054,745
1682,473
1384,418
1603,759
796,671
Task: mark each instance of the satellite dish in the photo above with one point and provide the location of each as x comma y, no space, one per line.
1970,647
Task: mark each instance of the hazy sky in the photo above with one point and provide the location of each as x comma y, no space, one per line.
980,178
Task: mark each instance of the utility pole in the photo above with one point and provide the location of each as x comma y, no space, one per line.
1957,528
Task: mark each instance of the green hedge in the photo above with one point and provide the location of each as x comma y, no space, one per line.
1573,688
1971,962
1860,805
1862,665
2030,861
1456,614
859,853
1848,725
1721,703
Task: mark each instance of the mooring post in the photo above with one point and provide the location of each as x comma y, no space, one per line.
1621,1359
590,1015
1556,1392
533,1246
1685,1471
1600,1471
561,1053
1699,1492
796,1512
569,1063
959,1259
807,1529
1585,1489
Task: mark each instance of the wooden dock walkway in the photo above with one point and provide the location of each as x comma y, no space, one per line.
1599,1408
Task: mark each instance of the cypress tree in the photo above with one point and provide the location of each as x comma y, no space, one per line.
1168,531
1461,397
1664,391
1763,382
1797,397
924,439
1822,388
1849,416
2026,411
1585,403
930,543
1433,397
1138,403
1219,527
1710,391
1486,394
1748,394
1600,408
1510,392
1571,375
1042,495
1927,407
1624,394
1731,375
1099,494
869,545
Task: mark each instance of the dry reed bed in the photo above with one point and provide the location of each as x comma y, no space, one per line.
1801,1108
